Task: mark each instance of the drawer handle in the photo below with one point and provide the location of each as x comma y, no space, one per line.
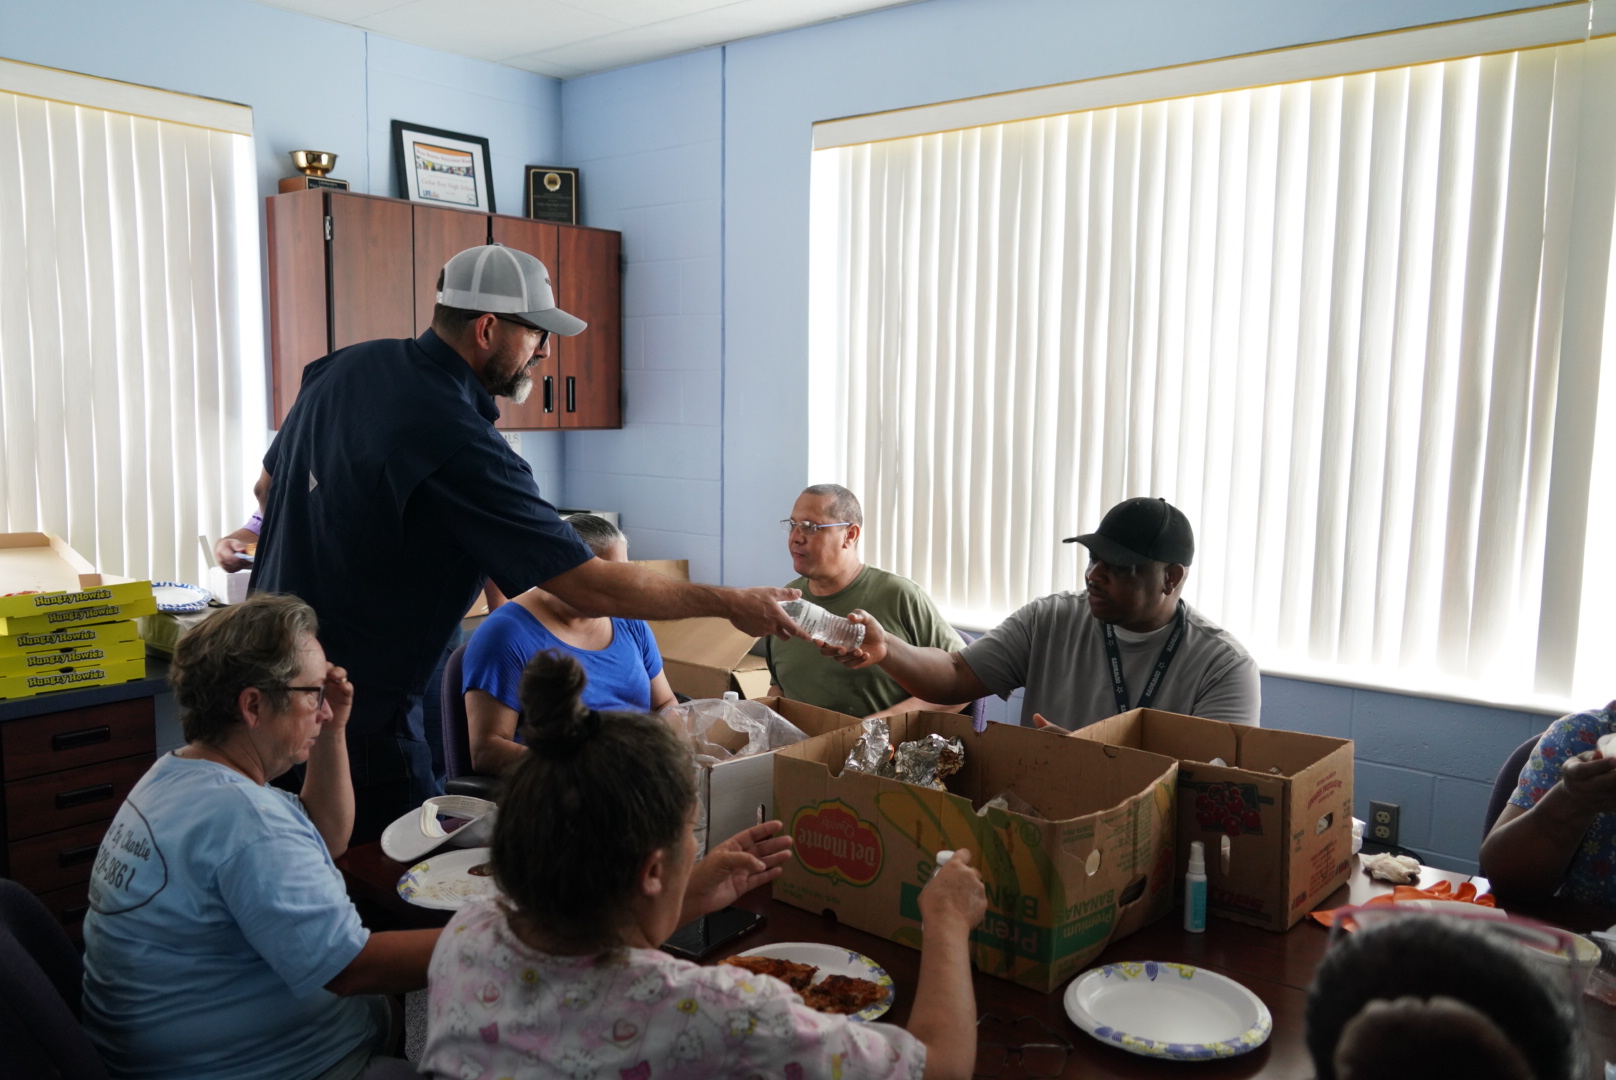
72,740
80,796
74,855
549,393
76,913
572,393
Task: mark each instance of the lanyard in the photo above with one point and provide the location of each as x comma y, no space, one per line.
1119,686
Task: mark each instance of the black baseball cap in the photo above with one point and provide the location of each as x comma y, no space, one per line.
1141,530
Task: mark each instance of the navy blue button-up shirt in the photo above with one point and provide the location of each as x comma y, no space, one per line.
392,498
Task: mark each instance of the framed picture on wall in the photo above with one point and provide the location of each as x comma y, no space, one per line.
552,193
444,168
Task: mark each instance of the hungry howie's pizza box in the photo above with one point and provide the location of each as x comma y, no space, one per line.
1091,862
1276,819
48,586
72,677
100,635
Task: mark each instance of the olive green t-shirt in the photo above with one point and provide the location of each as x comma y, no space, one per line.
903,609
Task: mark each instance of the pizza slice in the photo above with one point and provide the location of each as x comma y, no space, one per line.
796,976
842,994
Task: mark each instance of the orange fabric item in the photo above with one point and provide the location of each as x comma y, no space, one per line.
1442,890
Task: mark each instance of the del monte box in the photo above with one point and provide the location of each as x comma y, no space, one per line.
1089,858
1276,819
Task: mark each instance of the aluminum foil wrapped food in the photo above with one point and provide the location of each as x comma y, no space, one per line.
872,753
926,761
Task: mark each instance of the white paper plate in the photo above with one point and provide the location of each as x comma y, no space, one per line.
177,598
1166,1010
444,882
418,833
833,961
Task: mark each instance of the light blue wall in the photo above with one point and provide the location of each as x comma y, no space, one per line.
312,84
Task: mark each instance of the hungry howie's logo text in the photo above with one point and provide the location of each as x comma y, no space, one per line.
830,839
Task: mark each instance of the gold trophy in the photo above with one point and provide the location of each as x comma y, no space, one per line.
313,166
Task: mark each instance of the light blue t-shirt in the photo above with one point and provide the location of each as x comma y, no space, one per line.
216,919
619,675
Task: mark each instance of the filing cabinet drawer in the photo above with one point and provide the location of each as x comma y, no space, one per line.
47,804
67,740
56,860
69,906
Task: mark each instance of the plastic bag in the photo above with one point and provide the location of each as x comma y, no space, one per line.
711,724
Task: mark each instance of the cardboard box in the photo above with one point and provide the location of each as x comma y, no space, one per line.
100,635
1277,822
739,793
51,586
72,657
27,685
1096,866
706,657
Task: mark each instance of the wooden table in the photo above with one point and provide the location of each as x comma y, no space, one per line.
1276,967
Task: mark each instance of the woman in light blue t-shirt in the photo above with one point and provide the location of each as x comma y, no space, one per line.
619,656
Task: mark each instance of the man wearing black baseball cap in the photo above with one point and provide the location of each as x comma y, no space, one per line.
393,498
1128,641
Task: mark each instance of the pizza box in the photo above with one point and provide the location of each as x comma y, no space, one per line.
100,635
72,656
27,685
46,585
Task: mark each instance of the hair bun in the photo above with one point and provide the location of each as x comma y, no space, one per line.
555,720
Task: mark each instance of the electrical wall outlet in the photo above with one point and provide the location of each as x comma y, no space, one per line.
1383,822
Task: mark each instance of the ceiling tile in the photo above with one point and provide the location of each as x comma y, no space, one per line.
488,29
342,11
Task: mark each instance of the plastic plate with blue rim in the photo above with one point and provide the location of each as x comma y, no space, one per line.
178,598
1172,1011
831,960
450,881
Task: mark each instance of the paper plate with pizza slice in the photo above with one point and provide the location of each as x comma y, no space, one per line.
828,978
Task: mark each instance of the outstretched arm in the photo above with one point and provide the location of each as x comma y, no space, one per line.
599,587
931,675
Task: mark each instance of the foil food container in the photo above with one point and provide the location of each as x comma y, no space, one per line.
872,753
928,760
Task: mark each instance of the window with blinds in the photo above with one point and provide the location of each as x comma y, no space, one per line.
1352,326
128,315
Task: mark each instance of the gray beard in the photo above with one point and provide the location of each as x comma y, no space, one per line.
517,387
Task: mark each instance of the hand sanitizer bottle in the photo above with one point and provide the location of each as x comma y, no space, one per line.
1195,889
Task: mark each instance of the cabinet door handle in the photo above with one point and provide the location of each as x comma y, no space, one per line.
80,796
74,855
572,393
72,740
549,393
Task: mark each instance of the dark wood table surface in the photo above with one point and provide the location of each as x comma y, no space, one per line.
1276,967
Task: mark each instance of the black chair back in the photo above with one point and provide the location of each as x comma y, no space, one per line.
457,736
1504,784
41,978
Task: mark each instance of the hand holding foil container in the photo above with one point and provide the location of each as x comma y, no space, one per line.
925,761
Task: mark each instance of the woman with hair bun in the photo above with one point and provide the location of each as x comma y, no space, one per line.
594,851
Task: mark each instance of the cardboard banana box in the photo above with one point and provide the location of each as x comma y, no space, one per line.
1094,863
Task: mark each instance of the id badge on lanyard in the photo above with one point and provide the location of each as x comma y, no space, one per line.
1119,685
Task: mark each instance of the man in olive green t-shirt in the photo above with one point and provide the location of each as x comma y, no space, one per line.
824,529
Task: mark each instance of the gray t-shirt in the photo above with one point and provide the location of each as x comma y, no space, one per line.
1056,649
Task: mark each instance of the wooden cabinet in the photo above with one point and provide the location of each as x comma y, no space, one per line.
65,775
345,268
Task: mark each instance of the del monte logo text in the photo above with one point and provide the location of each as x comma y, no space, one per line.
832,840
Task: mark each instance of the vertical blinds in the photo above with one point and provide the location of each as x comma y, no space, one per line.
128,258
1351,326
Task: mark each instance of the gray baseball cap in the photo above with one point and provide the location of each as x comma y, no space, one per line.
505,281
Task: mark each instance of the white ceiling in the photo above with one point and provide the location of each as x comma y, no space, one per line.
565,38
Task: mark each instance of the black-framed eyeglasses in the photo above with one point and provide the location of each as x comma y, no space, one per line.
317,691
808,528
1002,1042
544,335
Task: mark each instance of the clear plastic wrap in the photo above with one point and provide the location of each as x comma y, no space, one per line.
714,728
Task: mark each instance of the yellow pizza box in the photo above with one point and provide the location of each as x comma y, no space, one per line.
111,611
100,635
41,576
72,658
78,678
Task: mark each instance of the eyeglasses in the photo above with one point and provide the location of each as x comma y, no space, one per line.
1026,1040
317,691
544,335
1112,569
808,528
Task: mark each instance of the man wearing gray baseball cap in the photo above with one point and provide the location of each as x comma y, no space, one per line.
1127,641
389,497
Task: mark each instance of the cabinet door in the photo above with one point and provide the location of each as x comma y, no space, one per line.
440,234
591,288
299,332
372,268
542,408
